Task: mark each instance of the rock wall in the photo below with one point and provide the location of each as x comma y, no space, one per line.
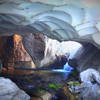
88,57
44,51
20,56
35,46
12,52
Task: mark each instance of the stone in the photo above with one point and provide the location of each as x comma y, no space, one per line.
90,92
55,50
86,91
90,75
10,91
35,46
46,96
89,89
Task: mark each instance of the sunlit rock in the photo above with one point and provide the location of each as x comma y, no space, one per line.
55,49
13,53
90,89
90,75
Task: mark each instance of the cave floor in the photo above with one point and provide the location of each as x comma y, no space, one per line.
34,81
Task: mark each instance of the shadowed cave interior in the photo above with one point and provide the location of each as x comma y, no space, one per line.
50,49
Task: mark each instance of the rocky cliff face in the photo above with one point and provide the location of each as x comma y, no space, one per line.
88,57
20,54
44,51
35,46
13,53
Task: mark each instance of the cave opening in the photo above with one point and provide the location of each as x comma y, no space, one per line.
46,63
50,49
47,53
14,55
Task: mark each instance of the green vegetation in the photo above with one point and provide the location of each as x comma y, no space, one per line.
56,87
74,83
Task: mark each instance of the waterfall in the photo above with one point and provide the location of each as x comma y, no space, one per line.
67,69
72,48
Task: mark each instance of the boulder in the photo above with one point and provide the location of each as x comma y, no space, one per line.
90,92
89,89
46,96
10,91
91,85
90,75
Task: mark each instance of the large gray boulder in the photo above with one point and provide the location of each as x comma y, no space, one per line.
90,92
90,87
90,75
10,91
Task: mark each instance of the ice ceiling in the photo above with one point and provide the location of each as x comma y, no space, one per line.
77,20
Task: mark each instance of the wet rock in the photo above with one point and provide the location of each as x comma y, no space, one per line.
10,91
88,91
35,98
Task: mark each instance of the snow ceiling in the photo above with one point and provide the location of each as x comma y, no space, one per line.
77,20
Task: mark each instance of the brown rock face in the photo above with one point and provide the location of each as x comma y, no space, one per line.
21,57
13,53
20,53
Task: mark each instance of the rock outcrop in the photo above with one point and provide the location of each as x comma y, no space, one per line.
91,85
90,75
44,51
89,89
12,52
88,57
10,91
35,46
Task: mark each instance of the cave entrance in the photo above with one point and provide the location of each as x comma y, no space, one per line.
15,55
70,47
